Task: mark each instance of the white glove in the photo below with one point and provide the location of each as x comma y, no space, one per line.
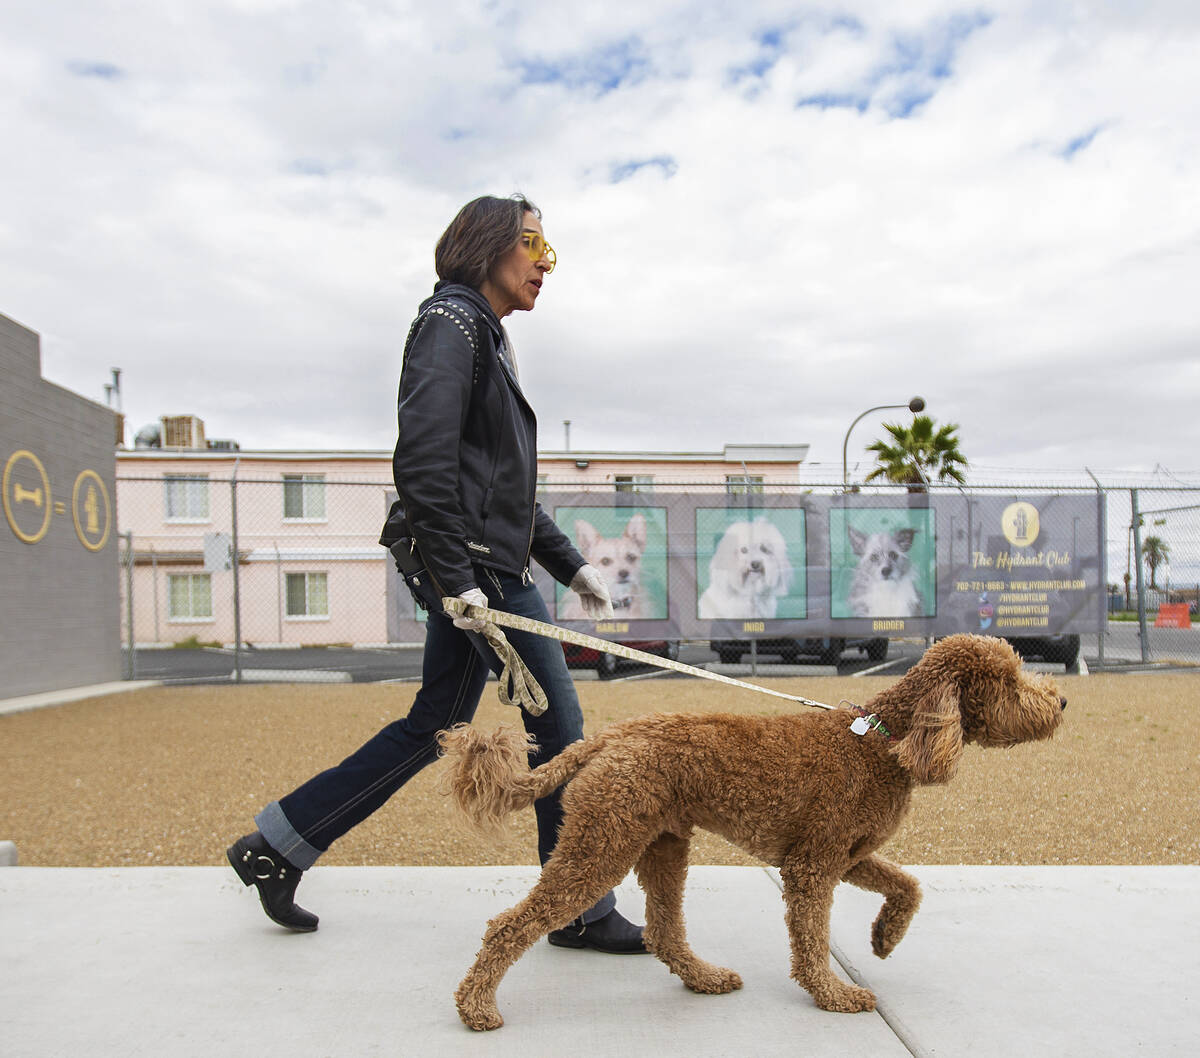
593,593
472,597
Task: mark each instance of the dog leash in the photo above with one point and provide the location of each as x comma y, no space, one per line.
512,661
517,685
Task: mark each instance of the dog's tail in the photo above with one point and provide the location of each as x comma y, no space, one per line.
489,774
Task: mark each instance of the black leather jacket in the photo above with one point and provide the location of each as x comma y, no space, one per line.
465,464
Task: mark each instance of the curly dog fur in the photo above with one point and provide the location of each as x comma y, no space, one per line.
801,792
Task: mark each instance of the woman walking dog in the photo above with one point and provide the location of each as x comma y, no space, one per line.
466,525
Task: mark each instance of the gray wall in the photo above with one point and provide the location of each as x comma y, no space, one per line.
59,598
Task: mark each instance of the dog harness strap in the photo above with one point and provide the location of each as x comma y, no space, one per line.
566,635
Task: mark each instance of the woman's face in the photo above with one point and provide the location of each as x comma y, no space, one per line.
515,281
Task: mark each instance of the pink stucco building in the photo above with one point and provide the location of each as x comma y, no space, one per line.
310,570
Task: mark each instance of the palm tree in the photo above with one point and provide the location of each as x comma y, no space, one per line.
936,453
1157,553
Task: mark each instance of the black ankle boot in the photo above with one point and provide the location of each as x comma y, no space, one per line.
260,865
613,934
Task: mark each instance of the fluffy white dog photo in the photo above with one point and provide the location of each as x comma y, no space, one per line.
748,574
619,560
884,583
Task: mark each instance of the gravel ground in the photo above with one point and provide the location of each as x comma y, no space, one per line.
172,776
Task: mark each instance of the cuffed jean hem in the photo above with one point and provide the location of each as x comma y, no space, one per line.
282,837
600,908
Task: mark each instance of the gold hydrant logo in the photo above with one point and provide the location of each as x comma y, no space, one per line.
1020,524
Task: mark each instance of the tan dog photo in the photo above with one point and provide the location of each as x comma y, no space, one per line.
814,793
619,560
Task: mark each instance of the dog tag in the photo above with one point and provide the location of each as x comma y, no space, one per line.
860,726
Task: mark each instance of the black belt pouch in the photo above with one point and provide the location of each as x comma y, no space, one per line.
415,573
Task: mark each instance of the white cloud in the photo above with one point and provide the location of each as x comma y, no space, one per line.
237,203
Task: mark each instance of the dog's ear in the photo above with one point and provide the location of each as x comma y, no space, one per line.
904,537
785,573
933,746
635,531
858,541
585,535
781,557
725,556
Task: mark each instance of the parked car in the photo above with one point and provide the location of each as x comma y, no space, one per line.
1064,648
606,664
828,650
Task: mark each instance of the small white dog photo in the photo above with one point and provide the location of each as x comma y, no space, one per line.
748,574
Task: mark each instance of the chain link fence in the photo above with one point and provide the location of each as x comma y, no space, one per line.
293,561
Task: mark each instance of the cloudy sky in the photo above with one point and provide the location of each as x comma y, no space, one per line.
768,216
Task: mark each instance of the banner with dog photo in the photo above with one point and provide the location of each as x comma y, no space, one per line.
883,562
628,545
790,564
750,565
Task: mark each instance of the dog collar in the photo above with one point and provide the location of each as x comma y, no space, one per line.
866,721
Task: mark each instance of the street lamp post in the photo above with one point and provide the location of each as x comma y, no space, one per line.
917,404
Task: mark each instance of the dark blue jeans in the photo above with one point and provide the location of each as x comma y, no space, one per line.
302,825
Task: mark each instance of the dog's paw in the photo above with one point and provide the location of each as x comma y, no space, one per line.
481,1020
888,930
712,980
881,944
843,998
477,1014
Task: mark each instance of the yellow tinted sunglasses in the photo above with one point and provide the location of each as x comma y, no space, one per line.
536,246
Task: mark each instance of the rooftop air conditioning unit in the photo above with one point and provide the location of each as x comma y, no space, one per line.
182,431
223,446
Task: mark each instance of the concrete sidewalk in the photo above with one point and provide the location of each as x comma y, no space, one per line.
169,962
70,694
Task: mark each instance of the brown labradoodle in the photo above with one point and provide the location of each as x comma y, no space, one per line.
804,792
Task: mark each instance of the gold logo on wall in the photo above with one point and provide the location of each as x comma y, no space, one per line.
26,496
91,510
29,504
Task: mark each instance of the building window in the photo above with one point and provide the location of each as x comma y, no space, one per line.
308,595
633,482
189,596
743,484
186,497
304,496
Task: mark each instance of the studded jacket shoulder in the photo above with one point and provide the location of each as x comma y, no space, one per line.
465,463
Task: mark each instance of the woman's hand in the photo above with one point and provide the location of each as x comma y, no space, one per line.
472,597
593,593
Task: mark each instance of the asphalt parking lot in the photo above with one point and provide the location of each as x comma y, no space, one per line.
1169,649
403,663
